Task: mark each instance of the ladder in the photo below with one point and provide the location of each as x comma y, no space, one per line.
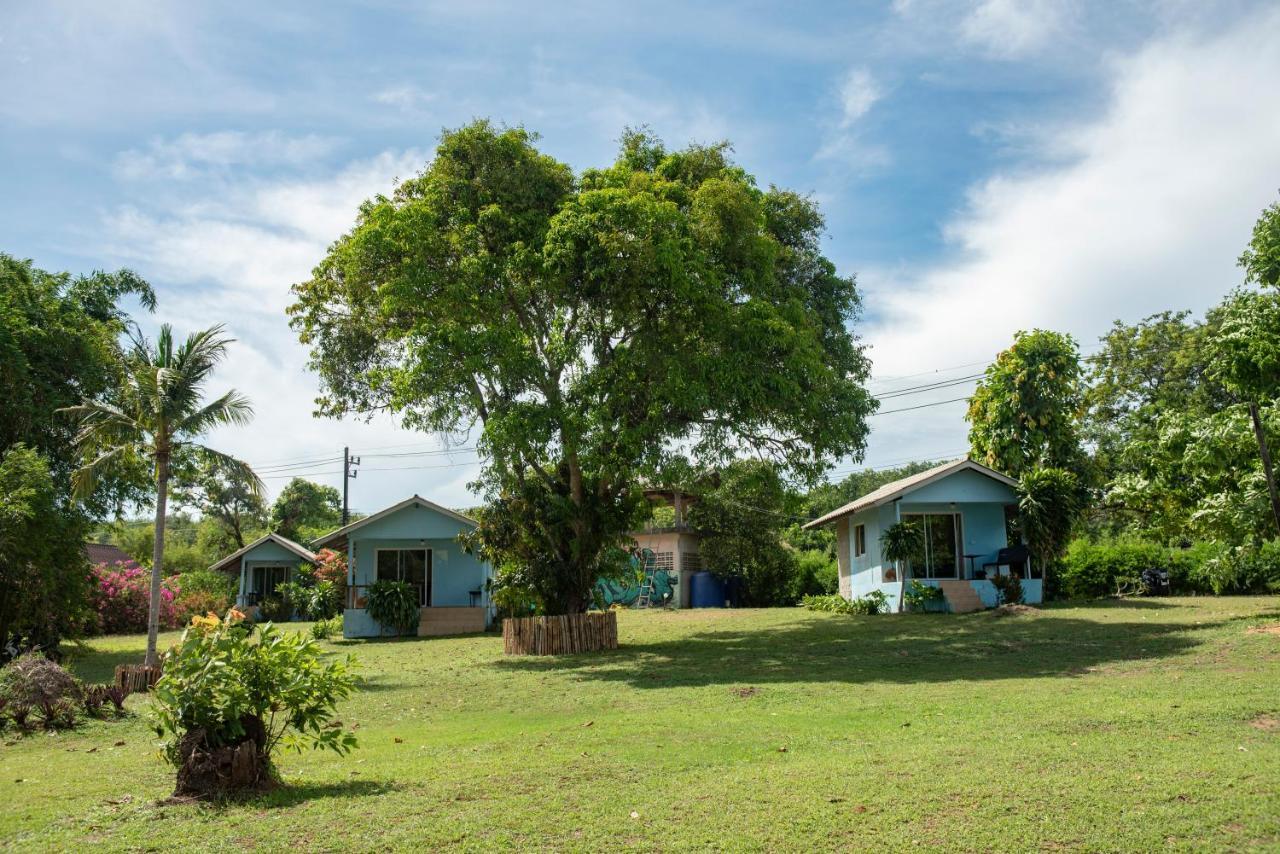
645,599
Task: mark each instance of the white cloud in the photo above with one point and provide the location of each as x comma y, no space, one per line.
406,98
858,93
843,142
1144,208
232,256
191,155
1011,28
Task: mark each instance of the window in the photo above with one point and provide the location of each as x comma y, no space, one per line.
664,560
690,561
265,581
859,540
409,565
940,548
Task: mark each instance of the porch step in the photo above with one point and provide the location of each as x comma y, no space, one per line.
961,597
450,621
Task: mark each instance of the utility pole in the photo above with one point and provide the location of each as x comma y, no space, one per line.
348,474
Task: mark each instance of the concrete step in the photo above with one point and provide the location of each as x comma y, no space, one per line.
961,597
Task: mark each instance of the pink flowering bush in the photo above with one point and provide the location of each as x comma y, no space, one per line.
121,595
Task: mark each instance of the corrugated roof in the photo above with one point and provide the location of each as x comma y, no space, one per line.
301,551
334,536
901,487
106,553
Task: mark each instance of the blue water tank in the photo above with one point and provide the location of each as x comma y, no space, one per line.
705,591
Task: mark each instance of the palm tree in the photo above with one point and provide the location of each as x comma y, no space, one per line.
159,416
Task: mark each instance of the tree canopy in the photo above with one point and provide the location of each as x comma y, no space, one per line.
593,327
1025,413
304,510
58,344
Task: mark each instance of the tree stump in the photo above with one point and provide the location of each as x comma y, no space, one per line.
560,635
205,772
136,678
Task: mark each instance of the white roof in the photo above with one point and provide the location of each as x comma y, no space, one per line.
412,499
898,488
300,551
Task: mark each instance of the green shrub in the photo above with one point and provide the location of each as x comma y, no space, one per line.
816,574
393,605
919,596
1243,569
1008,589
208,581
875,602
325,629
226,702
274,609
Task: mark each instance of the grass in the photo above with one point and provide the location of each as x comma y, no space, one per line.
1139,725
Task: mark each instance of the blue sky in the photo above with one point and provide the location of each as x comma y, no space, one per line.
984,166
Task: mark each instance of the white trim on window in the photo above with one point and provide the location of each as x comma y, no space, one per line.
859,540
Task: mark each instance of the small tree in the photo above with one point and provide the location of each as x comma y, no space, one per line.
226,496
227,701
740,517
159,417
902,542
1048,504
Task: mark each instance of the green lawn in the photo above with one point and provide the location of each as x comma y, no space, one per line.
1143,725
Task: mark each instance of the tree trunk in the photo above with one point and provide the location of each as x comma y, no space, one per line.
1267,470
157,558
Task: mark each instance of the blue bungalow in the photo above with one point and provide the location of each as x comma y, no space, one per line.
264,565
415,541
963,508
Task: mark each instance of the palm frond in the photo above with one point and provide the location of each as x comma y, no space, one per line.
84,480
232,408
232,465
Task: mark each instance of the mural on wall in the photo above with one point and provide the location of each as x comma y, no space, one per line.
626,591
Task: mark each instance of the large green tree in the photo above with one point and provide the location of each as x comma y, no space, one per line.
159,417
58,344
1025,413
304,510
591,326
59,339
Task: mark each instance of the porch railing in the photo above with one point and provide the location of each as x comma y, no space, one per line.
357,595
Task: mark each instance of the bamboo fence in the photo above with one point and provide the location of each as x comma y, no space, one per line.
560,635
136,678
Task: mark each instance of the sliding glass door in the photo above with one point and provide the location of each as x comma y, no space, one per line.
942,538
409,565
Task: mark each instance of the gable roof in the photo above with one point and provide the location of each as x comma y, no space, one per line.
301,551
106,553
898,488
415,499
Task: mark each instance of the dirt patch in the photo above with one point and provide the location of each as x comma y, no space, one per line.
1013,610
744,693
1273,629
1266,723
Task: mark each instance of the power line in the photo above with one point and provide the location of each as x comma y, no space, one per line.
902,392
918,406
